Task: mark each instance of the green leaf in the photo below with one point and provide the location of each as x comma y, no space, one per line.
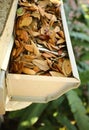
56,103
47,125
78,42
65,122
78,110
16,114
84,76
85,56
80,35
32,116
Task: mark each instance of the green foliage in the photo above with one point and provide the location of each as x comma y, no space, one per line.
65,122
78,110
80,35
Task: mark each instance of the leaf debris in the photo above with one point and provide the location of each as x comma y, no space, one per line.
40,45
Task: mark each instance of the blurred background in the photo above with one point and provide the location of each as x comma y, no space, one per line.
70,111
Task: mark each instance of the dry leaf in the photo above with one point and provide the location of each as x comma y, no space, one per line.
57,74
57,2
24,20
22,34
36,14
29,48
61,33
17,43
43,3
53,19
35,49
61,41
66,67
42,64
19,51
36,69
14,52
57,29
28,71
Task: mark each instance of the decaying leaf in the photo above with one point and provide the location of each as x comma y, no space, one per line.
57,2
57,74
42,64
28,71
24,20
36,14
22,34
66,67
43,3
35,49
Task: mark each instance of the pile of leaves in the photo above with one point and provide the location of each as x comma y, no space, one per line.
40,45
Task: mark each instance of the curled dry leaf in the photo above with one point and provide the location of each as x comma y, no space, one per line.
47,55
57,29
17,43
36,14
61,33
14,52
42,64
36,69
22,34
44,3
66,67
61,41
29,48
24,20
35,49
28,71
53,19
57,74
19,51
57,2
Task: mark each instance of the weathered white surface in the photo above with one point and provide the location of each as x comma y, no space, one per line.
7,32
2,92
5,6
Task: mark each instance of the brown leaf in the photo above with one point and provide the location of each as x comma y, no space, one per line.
36,14
42,64
36,69
43,3
22,34
57,74
57,29
57,2
29,48
19,51
17,43
53,19
46,55
60,63
41,11
24,20
14,52
61,33
28,71
66,67
61,41
35,49
29,57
